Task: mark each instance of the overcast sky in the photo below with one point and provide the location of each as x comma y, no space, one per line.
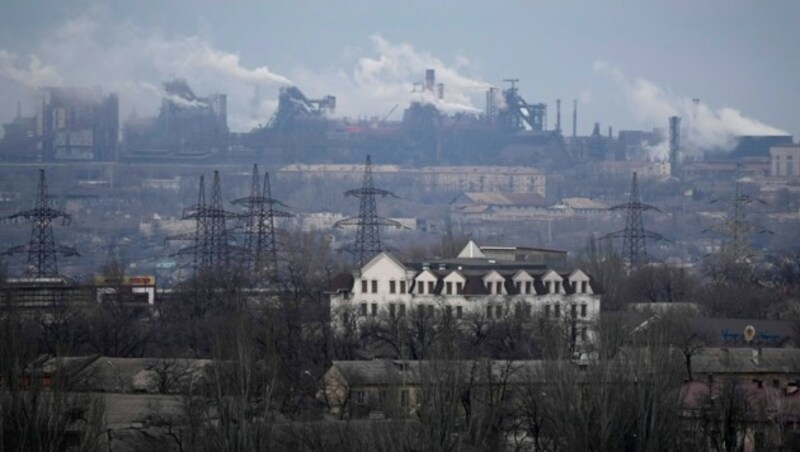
630,64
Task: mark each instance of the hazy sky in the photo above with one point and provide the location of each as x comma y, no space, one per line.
630,64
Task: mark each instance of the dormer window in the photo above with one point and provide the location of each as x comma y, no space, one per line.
430,287
527,287
558,287
421,288
459,287
549,286
498,288
584,286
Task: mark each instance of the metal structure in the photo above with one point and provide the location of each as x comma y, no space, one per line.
518,114
260,241
634,236
736,230
42,248
211,249
368,223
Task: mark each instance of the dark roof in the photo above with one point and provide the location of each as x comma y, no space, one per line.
474,286
730,332
342,282
747,360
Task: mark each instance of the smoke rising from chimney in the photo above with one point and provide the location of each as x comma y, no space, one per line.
705,128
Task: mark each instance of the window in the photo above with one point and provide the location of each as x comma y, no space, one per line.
374,309
557,309
431,286
549,285
402,287
574,309
449,286
460,287
374,286
392,310
583,310
449,311
488,312
584,286
498,288
459,312
430,310
558,287
421,288
499,311
363,309
528,287
401,310
363,286
547,311
404,398
518,285
527,310
361,397
392,285
583,334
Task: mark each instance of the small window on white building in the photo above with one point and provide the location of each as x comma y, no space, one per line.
402,287
459,312
401,310
460,287
549,285
499,311
374,286
449,287
488,312
557,311
583,310
498,288
558,287
420,288
392,310
363,286
374,309
547,311
392,286
584,286
528,287
363,309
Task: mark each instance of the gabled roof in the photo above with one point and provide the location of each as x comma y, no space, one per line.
380,256
471,251
343,282
475,286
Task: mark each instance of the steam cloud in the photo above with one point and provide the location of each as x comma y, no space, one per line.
90,49
703,127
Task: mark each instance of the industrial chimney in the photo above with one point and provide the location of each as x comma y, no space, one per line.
558,115
574,118
674,143
430,79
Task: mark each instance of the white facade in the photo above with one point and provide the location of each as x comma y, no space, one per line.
385,286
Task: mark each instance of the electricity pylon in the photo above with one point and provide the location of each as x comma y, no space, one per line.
42,248
368,223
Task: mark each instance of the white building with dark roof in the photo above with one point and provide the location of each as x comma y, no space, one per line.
467,286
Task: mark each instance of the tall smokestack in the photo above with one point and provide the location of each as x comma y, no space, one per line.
674,143
574,118
440,91
430,79
558,115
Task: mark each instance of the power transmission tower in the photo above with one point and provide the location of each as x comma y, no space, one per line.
42,248
260,241
368,223
634,236
211,249
736,230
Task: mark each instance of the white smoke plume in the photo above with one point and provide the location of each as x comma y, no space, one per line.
90,49
703,127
